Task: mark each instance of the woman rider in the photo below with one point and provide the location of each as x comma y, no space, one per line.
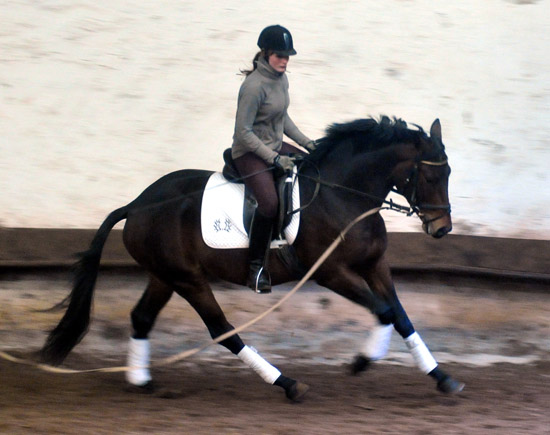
260,123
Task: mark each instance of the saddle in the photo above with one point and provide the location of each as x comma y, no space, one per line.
283,184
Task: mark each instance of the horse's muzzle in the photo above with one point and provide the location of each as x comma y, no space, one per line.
438,227
442,231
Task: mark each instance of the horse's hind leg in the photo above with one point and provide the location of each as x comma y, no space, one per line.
144,314
201,298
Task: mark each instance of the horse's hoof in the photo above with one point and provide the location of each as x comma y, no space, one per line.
450,386
148,388
359,364
296,391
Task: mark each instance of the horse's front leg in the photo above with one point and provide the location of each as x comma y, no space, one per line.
380,281
346,282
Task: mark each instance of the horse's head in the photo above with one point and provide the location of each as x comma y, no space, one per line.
425,183
416,165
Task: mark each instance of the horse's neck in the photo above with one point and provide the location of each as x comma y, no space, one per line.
369,172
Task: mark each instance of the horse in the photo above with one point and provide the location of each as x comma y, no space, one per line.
353,169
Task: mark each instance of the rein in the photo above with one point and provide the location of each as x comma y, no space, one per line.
412,183
392,205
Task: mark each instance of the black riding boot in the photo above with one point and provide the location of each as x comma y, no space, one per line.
260,239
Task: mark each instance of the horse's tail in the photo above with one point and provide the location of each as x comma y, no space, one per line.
74,324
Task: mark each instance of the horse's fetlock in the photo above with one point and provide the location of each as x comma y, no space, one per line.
284,382
438,374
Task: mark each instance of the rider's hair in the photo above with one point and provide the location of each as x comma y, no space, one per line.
262,52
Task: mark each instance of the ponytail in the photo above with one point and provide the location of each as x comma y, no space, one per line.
264,53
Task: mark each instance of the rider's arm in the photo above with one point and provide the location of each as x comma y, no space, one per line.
250,100
294,132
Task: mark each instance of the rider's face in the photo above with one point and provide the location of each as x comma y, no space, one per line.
278,63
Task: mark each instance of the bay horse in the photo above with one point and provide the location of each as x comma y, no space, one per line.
352,170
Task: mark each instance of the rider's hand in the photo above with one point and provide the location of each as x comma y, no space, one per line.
284,162
311,145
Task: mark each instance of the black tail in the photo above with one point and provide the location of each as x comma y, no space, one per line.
74,324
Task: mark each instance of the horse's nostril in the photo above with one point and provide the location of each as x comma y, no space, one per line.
442,231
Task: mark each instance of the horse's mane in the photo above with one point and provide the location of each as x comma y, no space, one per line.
366,135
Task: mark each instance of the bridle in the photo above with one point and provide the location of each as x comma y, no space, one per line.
410,186
410,189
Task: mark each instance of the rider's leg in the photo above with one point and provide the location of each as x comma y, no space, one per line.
258,253
259,180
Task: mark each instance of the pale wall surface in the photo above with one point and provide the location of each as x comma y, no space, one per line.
98,99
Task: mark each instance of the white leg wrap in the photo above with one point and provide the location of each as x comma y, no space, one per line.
378,342
259,365
421,354
138,357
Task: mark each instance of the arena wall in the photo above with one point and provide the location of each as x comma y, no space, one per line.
414,253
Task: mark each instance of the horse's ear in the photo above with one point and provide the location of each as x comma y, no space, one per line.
435,131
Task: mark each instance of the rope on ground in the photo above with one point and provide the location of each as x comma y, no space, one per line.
186,354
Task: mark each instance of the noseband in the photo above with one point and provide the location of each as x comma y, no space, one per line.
412,187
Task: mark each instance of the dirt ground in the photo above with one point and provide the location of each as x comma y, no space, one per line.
494,338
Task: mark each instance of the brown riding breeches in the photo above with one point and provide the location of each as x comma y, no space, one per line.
262,183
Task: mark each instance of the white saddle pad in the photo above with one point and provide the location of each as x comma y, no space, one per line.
222,222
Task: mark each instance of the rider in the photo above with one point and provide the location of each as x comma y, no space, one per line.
260,123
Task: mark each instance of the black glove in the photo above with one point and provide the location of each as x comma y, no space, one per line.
284,162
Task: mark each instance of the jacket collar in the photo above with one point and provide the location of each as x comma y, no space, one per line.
265,69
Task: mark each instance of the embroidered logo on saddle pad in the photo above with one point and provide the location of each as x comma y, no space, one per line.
222,221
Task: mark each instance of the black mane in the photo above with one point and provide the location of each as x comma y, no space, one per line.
367,135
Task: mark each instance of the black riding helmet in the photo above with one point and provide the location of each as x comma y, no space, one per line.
278,39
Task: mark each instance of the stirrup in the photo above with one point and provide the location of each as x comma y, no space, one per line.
259,280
